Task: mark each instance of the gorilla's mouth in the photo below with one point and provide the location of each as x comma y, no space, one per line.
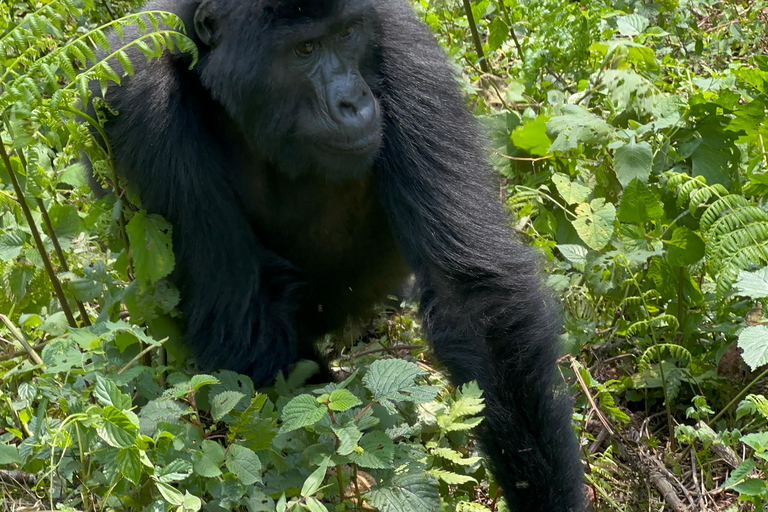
361,147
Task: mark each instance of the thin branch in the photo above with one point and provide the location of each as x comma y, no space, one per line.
38,239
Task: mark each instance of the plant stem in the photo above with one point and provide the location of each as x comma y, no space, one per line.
738,397
38,239
476,38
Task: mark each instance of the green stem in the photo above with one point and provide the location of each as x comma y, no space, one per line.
476,38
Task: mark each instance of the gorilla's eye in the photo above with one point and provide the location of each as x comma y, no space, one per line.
305,48
348,31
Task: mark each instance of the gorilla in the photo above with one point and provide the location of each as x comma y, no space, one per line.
317,154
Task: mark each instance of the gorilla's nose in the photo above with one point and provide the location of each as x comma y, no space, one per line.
353,107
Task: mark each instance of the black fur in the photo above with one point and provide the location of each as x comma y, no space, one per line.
274,249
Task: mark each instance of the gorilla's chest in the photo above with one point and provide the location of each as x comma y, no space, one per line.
321,227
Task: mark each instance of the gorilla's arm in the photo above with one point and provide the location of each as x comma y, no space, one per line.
170,142
481,296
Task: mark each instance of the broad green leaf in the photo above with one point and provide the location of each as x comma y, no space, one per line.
224,402
377,452
129,463
349,435
684,247
315,480
631,25
753,284
498,33
408,493
301,411
577,126
751,487
314,505
66,223
639,204
9,454
107,393
175,471
341,400
594,223
576,254
207,462
117,429
753,340
532,137
571,191
11,244
244,464
151,246
633,161
741,472
758,441
170,494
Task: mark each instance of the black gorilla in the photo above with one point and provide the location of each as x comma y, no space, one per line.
318,153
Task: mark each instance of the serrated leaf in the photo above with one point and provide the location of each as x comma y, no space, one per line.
158,410
341,400
175,471
633,161
576,126
201,379
455,457
408,493
594,223
740,473
301,411
752,284
244,464
11,245
151,246
349,436
753,340
392,380
223,403
498,33
450,477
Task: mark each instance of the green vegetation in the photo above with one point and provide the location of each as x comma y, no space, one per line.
630,141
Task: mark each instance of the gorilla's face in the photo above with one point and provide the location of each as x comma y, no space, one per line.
298,85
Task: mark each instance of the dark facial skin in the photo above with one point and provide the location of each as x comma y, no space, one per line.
314,107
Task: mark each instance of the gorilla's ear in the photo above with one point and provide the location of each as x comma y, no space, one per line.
206,24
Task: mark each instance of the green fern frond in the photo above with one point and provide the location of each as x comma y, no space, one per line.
655,354
642,326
